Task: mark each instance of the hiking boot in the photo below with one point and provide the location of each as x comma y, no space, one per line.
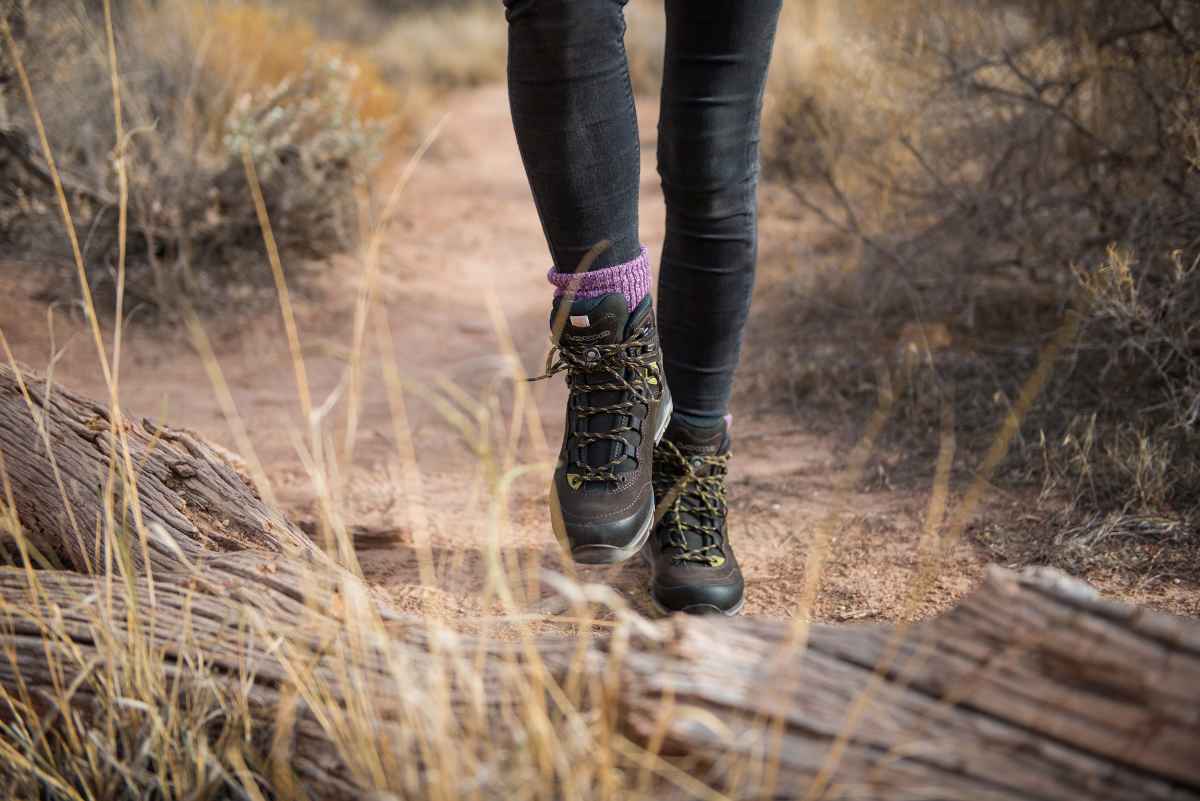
601,499
692,565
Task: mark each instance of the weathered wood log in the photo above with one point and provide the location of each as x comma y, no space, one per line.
1032,688
60,461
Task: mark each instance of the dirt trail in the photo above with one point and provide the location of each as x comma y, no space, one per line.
465,234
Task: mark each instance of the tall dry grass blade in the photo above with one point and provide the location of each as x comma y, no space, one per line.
249,782
366,293
850,477
525,415
814,568
668,771
928,571
30,555
1030,391
823,785
410,469
524,412
237,425
39,418
281,290
85,288
122,192
117,432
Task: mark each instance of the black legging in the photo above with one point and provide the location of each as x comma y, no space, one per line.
573,110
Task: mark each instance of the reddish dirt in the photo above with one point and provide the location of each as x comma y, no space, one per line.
465,237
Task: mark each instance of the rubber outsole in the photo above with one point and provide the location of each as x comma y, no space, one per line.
699,609
609,554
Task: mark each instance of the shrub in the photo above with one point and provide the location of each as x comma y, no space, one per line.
996,165
196,94
445,47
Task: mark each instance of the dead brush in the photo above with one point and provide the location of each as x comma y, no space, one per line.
996,165
146,730
313,122
445,46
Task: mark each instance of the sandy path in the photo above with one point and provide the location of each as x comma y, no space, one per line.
466,236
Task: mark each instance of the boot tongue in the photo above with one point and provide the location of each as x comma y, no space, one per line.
587,323
698,441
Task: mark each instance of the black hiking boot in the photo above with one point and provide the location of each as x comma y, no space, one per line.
601,498
692,565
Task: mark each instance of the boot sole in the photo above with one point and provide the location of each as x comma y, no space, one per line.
609,554
698,609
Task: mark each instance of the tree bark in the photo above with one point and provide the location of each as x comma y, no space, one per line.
1032,688
193,497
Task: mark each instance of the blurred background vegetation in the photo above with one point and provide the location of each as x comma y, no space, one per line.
985,173
993,172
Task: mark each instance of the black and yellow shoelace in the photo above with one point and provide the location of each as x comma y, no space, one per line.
631,368
692,488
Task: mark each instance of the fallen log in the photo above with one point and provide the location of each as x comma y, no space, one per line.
57,450
1032,688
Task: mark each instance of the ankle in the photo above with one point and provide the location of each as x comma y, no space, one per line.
697,421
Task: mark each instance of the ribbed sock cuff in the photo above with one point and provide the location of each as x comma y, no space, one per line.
631,279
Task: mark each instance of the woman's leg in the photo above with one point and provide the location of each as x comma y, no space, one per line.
573,111
716,67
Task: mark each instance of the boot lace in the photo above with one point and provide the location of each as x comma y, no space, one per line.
630,368
692,489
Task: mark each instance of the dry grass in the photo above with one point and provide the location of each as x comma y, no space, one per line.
250,48
314,115
158,722
166,728
980,171
149,715
446,47
466,44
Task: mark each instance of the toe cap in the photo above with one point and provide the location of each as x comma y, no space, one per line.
604,539
724,597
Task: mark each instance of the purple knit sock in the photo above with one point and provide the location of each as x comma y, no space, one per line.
631,279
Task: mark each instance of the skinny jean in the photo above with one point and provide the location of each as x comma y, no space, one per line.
576,124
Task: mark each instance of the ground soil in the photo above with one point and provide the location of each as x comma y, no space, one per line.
463,251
